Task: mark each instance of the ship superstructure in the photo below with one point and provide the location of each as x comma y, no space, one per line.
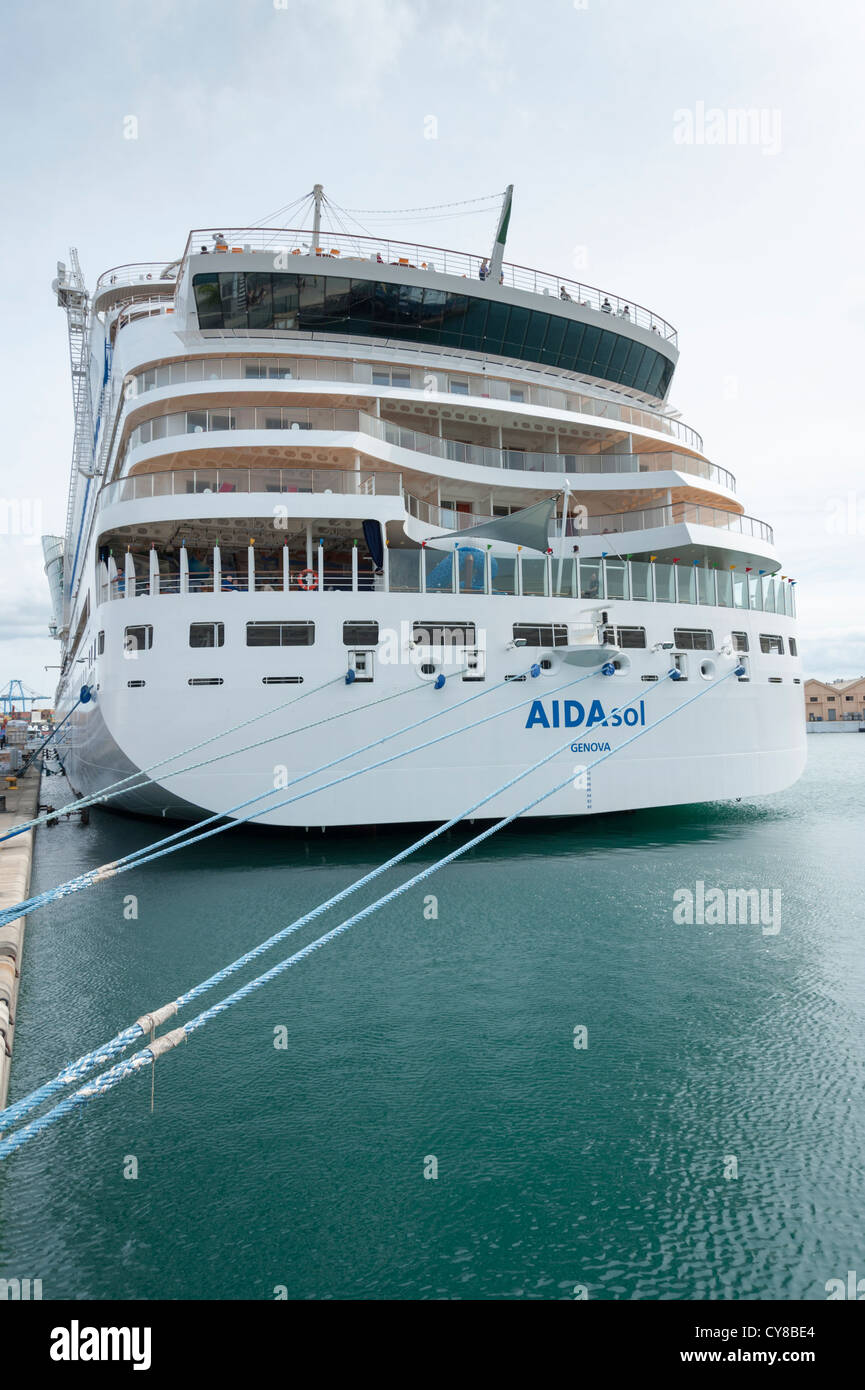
345,468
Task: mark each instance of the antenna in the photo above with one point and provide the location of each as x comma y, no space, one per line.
317,194
501,235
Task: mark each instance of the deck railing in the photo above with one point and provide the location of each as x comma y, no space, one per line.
412,257
448,381
228,419
463,569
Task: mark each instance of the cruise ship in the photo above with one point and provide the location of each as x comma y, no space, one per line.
325,488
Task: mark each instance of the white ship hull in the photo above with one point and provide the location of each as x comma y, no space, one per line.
739,739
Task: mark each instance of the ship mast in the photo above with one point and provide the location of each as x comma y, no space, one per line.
317,194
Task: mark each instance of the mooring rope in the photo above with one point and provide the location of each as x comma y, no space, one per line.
169,844
107,1080
75,1071
116,788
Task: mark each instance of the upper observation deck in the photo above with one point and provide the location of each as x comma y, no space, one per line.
261,280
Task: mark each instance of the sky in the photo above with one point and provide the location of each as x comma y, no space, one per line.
610,117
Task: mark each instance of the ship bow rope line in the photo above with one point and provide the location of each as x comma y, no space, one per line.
158,1046
191,835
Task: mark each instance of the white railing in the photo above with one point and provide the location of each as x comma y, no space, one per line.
337,246
428,569
486,387
222,419
184,482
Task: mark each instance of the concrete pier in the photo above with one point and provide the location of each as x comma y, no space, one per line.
16,857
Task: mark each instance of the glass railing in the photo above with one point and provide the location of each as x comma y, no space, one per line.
184,482
429,569
413,256
676,514
226,419
528,462
386,376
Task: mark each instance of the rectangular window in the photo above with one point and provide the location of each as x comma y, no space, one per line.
299,634
812,699
849,699
693,639
458,388
518,394
400,378
444,634
282,680
794,650
138,639
625,636
771,644
360,634
541,634
205,680
740,641
100,644
206,634
136,685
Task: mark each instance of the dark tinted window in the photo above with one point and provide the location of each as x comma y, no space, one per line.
541,634
280,634
444,634
138,639
317,303
694,639
206,634
360,634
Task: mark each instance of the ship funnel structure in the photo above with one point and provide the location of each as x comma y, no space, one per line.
52,549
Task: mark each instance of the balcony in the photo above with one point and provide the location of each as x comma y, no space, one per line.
225,419
427,569
516,393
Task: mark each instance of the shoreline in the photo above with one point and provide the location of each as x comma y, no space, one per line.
16,862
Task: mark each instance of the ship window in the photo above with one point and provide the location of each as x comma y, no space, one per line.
779,680
100,644
138,639
458,388
625,636
794,650
206,634
282,680
135,685
326,304
541,634
740,641
360,634
261,634
444,634
517,394
694,639
205,680
771,644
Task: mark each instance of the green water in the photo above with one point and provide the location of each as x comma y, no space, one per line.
411,1037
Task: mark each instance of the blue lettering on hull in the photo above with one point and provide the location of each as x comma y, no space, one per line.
570,714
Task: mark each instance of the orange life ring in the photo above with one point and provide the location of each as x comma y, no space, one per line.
307,579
